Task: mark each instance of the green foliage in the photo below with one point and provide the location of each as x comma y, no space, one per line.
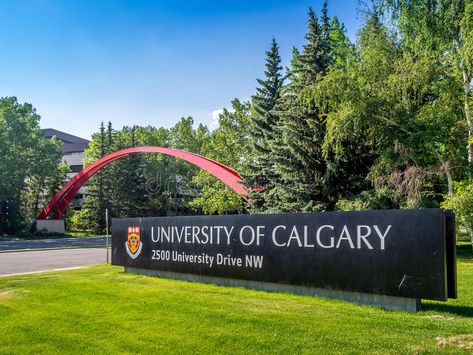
367,200
308,177
97,200
81,220
444,28
30,165
389,103
461,201
382,123
228,144
214,197
300,167
140,184
262,132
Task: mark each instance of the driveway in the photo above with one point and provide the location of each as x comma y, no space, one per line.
12,263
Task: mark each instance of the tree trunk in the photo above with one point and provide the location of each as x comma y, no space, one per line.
466,95
471,238
449,183
470,232
466,88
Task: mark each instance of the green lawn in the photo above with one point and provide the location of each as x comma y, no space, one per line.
102,310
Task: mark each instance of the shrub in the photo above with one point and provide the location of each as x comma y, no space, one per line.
462,203
367,200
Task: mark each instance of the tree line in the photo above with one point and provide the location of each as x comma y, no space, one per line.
31,170
381,122
158,185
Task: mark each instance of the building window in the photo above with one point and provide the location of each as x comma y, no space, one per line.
76,168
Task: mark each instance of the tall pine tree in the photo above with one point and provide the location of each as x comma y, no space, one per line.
93,210
298,154
260,165
134,197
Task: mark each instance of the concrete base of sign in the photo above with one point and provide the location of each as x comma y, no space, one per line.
382,301
50,225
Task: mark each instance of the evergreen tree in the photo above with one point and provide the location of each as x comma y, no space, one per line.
119,171
260,165
93,210
346,173
108,177
315,54
340,47
135,196
298,154
326,28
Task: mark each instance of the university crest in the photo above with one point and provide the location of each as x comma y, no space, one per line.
133,244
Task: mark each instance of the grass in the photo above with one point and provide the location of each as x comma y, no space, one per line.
40,235
102,310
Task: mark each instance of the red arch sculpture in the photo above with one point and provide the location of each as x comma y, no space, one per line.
63,197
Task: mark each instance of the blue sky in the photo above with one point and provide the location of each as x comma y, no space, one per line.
80,62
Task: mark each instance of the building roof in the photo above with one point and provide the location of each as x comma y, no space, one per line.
71,143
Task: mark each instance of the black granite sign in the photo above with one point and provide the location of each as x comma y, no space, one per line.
406,253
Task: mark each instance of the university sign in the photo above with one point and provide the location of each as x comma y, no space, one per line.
402,253
354,256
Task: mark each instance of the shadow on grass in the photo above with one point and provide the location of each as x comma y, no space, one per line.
464,252
463,311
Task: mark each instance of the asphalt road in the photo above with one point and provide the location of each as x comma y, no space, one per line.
12,263
52,243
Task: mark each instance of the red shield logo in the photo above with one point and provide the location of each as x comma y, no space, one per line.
133,244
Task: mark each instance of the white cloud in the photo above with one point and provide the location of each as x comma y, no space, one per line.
215,115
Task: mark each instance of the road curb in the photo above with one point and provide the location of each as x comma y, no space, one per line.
50,270
104,246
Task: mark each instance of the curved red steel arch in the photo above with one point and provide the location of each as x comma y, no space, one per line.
63,197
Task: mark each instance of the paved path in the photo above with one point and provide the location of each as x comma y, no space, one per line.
43,260
52,243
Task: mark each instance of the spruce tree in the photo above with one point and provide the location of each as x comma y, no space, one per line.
301,183
93,210
136,200
119,173
326,27
260,165
108,172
